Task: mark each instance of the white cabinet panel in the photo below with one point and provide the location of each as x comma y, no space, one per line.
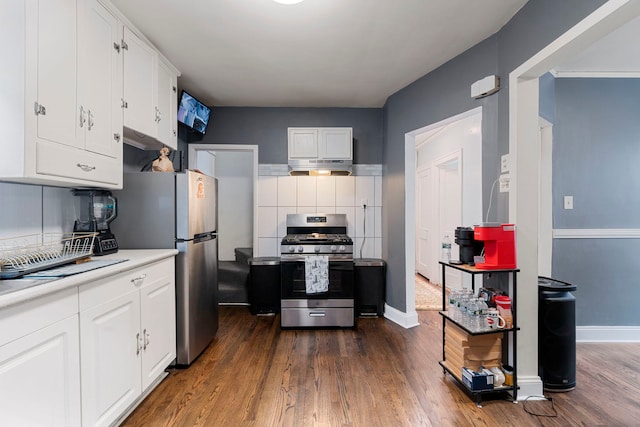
140,84
345,191
40,378
110,348
335,143
306,191
166,114
303,143
100,80
287,190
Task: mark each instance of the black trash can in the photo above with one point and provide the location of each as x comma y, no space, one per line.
370,278
264,285
556,334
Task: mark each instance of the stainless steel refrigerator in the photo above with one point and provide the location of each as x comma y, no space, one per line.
159,210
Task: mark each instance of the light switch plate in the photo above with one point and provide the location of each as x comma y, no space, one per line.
504,163
568,202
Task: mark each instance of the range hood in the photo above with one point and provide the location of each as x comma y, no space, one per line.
320,167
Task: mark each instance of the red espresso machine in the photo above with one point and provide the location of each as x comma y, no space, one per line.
499,246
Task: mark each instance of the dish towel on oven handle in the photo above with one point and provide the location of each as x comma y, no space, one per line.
316,274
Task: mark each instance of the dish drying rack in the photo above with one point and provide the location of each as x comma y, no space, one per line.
35,252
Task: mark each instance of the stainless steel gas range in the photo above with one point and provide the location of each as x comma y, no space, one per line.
316,261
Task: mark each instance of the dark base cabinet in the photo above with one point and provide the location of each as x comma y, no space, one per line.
370,280
264,285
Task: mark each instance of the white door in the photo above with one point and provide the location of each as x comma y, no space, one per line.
449,208
158,321
40,377
110,349
424,224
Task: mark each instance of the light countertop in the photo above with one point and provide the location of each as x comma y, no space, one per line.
135,258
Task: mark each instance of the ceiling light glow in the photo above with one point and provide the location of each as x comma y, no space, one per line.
288,1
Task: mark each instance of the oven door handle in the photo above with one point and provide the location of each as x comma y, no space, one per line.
317,314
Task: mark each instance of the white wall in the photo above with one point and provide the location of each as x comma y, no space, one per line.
234,170
281,195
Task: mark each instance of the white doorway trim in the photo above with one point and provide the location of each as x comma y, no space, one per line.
545,200
193,153
410,158
523,149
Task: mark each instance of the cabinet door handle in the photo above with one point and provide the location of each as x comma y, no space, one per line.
116,46
138,280
85,168
138,343
82,118
91,123
116,136
146,339
39,109
158,115
317,314
124,45
123,103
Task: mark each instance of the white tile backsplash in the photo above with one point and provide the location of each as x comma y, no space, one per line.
345,191
287,191
365,190
267,191
282,219
306,191
21,212
326,186
267,221
308,194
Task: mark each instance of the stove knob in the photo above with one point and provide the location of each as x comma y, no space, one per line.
342,248
317,249
334,248
300,249
291,248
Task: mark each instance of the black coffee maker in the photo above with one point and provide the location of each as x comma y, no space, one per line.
468,246
95,209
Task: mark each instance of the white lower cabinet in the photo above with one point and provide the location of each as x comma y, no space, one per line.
127,338
39,374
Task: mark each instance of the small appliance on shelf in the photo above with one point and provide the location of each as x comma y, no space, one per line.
499,246
95,209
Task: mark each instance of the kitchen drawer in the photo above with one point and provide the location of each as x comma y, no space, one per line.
59,160
24,318
317,317
106,289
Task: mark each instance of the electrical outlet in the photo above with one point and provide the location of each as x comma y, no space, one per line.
504,183
568,202
504,163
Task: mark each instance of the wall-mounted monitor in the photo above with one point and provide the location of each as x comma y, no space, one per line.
193,113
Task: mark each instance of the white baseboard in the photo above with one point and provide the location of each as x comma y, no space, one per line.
530,387
608,334
406,320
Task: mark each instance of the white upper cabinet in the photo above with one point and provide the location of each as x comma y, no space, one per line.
100,81
51,96
150,96
140,82
320,143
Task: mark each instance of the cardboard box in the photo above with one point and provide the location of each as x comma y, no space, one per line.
477,381
463,350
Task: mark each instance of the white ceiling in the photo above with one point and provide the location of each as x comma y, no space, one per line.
319,53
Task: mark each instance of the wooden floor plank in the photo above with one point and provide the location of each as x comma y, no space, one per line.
378,374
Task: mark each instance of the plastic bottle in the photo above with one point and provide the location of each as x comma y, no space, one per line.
474,315
446,249
482,316
453,297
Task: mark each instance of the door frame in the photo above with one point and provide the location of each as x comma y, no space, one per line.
253,149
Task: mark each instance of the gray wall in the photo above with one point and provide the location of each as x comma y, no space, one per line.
267,128
444,93
595,159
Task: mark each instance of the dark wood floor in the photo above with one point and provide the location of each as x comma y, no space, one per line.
379,374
